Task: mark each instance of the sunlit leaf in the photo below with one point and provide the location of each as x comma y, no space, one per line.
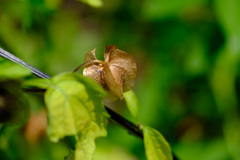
74,108
90,84
156,147
132,103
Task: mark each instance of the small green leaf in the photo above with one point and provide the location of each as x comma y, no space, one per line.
156,147
93,3
132,103
39,83
10,70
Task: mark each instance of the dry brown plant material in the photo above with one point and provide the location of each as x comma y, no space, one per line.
116,74
36,127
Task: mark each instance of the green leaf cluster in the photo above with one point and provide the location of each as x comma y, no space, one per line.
75,109
187,54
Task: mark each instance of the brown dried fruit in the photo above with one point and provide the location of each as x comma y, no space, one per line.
116,74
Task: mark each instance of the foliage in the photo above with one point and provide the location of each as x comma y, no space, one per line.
74,109
156,146
132,103
187,55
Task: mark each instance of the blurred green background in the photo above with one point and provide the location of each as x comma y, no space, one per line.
187,53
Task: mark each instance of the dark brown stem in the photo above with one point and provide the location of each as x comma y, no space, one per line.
132,128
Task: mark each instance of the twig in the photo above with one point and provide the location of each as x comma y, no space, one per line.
116,118
17,60
132,128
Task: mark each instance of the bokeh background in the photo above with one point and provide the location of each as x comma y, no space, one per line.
187,52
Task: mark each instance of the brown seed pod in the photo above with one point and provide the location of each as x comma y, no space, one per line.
116,74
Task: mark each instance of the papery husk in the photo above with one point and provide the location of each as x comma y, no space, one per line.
114,87
123,67
90,56
116,74
93,70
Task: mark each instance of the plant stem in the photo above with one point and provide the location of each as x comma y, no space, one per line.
115,118
17,60
132,128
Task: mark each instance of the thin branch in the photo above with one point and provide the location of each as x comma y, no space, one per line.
116,118
132,128
17,60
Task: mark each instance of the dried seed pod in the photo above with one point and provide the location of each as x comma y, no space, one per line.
116,74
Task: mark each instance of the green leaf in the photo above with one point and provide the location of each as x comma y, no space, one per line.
93,3
75,108
132,103
90,83
10,70
156,147
40,83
